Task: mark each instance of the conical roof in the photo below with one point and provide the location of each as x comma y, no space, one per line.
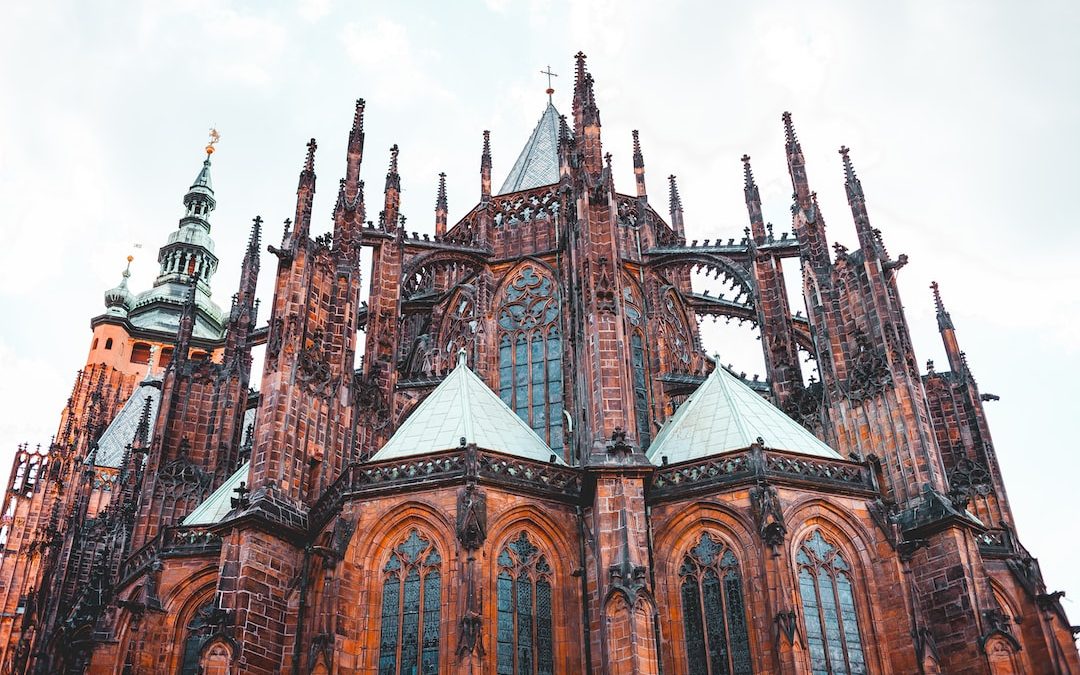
538,163
462,406
724,415
215,507
202,181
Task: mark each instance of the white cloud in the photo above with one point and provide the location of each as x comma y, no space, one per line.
313,10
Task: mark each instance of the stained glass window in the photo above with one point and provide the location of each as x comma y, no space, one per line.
411,604
714,614
199,630
832,624
530,354
523,637
641,395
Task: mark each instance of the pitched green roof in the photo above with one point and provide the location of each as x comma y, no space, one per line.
214,509
462,406
724,415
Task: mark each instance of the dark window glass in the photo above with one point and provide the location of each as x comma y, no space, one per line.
411,605
199,630
641,394
714,614
530,354
523,638
832,624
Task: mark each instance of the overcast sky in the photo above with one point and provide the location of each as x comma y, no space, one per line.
962,119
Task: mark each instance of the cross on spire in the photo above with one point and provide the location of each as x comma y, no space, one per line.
550,89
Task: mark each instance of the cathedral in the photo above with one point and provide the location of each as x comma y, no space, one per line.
515,457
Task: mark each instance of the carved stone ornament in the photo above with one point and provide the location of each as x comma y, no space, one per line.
625,576
967,480
768,515
869,374
471,517
804,405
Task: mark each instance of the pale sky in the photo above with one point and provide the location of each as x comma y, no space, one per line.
962,119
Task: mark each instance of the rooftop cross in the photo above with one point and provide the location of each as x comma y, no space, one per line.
550,75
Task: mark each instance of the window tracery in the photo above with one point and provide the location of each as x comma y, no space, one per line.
832,623
200,629
524,642
411,609
530,354
714,612
638,367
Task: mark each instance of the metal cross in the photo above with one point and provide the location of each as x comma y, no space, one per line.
550,75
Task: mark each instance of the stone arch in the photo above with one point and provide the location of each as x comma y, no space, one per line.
415,266
399,518
218,657
183,604
853,541
369,552
1003,654
527,516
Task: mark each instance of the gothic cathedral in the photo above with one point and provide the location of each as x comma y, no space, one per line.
531,466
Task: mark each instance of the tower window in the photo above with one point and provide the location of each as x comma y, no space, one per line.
410,609
714,614
523,607
165,357
94,346
108,343
530,354
832,624
140,353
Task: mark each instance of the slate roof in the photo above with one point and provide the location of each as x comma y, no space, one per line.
121,431
538,163
462,406
724,415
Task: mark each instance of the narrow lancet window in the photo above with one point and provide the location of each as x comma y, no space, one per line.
832,624
530,354
524,643
409,638
714,614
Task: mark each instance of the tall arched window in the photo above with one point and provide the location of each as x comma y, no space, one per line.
714,613
410,609
832,624
199,630
523,603
632,310
530,354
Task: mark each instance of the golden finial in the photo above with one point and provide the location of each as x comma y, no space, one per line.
214,138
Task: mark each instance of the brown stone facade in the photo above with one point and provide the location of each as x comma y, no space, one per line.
574,303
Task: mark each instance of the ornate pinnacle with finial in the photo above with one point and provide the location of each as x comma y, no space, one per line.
358,117
789,130
639,159
309,159
673,194
440,199
851,181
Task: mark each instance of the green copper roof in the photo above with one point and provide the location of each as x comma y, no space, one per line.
462,406
724,415
219,503
538,163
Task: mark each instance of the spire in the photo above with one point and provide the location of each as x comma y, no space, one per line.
948,333
796,164
244,307
675,206
355,154
392,194
485,169
868,239
440,207
538,162
199,200
753,202
586,118
305,194
187,324
119,299
639,165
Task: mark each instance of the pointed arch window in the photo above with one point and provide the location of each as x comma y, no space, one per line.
832,623
524,643
714,613
530,354
639,378
202,626
409,639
